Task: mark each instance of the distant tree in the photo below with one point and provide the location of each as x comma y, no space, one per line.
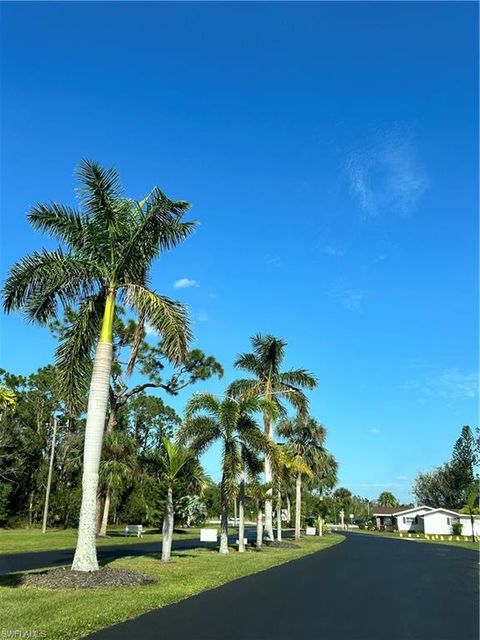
472,506
231,423
448,486
265,364
170,462
463,462
387,499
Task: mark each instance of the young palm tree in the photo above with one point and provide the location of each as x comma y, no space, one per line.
169,462
230,422
275,385
305,439
106,252
116,469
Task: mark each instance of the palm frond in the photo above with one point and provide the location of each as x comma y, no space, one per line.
168,317
198,433
203,402
63,223
156,227
300,378
99,192
35,283
75,351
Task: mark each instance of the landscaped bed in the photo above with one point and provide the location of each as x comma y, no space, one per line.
191,571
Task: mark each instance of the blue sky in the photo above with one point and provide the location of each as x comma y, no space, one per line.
330,153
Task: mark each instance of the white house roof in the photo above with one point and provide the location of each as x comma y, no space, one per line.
422,507
449,511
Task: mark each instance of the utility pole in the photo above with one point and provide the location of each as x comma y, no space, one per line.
49,480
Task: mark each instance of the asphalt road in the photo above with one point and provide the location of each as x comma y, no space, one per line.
12,562
366,588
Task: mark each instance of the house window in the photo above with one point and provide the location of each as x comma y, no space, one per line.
408,520
448,521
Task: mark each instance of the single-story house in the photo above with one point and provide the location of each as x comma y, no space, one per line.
424,519
440,521
400,518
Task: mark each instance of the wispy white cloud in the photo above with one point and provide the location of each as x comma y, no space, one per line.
203,316
402,478
451,384
183,283
332,251
385,175
349,297
374,430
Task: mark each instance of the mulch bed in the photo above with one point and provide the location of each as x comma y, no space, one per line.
105,577
281,544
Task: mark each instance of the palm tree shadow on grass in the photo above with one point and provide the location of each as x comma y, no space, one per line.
11,580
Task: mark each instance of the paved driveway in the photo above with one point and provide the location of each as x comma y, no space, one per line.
366,588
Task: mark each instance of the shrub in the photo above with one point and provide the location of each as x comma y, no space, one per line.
457,528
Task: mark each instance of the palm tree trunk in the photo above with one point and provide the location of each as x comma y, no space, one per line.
167,529
279,515
241,515
320,526
86,553
223,519
98,510
268,480
259,541
49,479
289,509
298,505
106,508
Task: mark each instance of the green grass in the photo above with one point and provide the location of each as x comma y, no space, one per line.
67,614
18,540
466,544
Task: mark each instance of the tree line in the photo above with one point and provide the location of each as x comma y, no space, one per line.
94,292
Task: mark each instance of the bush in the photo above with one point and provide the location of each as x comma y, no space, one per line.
457,528
5,491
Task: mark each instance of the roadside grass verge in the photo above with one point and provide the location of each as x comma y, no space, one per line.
466,544
26,540
68,614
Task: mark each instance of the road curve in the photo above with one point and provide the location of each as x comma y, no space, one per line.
366,588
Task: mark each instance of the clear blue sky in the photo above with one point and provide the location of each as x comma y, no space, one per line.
330,153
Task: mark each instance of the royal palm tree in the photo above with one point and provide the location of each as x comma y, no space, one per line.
169,464
116,470
305,444
273,384
230,422
106,252
290,466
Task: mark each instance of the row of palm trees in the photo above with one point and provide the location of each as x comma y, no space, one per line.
105,255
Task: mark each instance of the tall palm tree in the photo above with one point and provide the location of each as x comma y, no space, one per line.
230,422
305,443
169,462
273,384
106,251
116,469
290,466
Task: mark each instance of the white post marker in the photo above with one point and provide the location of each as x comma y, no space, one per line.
310,531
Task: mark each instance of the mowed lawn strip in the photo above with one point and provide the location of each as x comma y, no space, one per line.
465,544
68,614
27,540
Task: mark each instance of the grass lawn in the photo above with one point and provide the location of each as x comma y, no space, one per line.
466,544
67,614
18,540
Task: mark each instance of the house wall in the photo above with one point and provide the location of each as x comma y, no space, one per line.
439,523
411,526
